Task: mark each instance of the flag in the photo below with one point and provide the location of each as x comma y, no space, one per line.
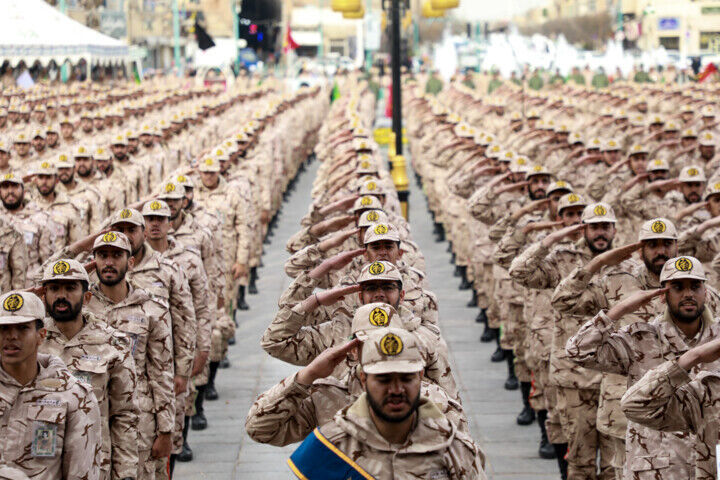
335,94
709,70
204,40
289,43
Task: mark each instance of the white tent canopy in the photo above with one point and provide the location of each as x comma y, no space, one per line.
32,30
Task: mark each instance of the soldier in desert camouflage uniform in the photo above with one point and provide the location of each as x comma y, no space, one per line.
66,218
146,321
50,426
392,377
97,355
13,258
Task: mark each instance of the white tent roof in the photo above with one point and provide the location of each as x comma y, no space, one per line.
32,30
222,54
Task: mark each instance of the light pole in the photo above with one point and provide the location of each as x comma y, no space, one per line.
236,7
176,37
395,64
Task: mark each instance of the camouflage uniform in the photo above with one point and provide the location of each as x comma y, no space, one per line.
39,238
100,356
59,409
146,320
13,259
93,206
65,218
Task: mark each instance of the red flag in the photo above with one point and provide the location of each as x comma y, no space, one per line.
289,43
709,70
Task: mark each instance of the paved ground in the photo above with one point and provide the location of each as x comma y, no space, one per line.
225,452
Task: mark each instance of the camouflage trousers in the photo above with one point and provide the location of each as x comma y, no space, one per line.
577,410
482,278
146,465
222,332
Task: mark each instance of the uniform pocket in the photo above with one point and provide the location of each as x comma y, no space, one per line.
648,464
47,430
94,373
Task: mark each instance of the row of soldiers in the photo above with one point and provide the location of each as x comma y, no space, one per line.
375,396
586,224
123,269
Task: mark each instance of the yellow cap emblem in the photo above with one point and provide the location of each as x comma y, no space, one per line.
44,165
8,176
371,186
81,150
169,187
658,226
693,172
109,237
61,268
13,303
155,206
365,165
376,268
381,229
391,345
125,213
63,157
208,161
181,178
600,211
366,201
561,184
100,151
379,317
536,168
372,216
572,198
683,264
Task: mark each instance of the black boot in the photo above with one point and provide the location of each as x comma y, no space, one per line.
456,272
186,455
481,317
199,422
527,416
440,237
473,301
560,451
452,258
512,381
546,450
225,362
210,392
499,354
449,248
464,284
252,288
171,464
488,334
231,340
240,302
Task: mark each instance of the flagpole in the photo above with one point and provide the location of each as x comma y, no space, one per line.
176,37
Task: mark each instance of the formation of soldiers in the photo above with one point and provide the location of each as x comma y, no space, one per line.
374,395
132,225
586,223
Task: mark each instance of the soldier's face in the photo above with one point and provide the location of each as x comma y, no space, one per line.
658,175
4,157
19,343
538,186
135,233
119,150
224,166
386,250
611,157
66,130
692,191
11,195
189,195
571,216
714,205
687,142
22,148
111,265
38,144
210,179
707,151
52,139
599,236
175,206
554,200
45,184
685,299
382,291
86,124
638,163
146,139
156,227
66,174
393,397
102,165
64,299
657,251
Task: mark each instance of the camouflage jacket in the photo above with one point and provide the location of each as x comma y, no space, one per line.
193,234
62,213
13,259
93,206
39,236
100,356
632,351
434,448
145,319
668,399
50,429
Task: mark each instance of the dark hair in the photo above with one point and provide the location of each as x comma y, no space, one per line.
39,324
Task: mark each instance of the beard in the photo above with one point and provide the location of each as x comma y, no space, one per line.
14,205
537,194
597,250
377,408
46,192
112,282
682,317
84,172
66,180
70,314
652,265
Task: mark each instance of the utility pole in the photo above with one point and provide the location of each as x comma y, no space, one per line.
176,37
236,8
395,63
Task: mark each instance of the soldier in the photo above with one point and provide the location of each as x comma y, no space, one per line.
146,321
97,355
66,218
392,413
50,425
92,204
13,258
634,349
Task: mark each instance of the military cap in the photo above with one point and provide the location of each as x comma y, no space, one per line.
23,137
209,165
113,239
370,217
102,153
82,151
658,228
20,307
360,144
559,185
463,130
391,350
707,139
611,145
599,212
493,151
4,146
689,133
119,139
692,173
571,200
156,208
638,148
171,191
380,270
366,165
367,202
63,160
371,187
371,316
45,168
65,269
185,181
381,231
657,165
682,267
127,215
536,170
11,177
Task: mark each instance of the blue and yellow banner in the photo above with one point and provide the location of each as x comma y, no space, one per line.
318,459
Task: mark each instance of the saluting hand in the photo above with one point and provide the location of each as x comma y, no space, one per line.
633,302
325,363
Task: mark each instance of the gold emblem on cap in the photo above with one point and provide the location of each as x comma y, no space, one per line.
8,176
100,151
391,345
376,268
379,317
208,161
181,178
366,201
658,226
219,152
717,186
81,150
155,206
61,268
372,216
381,229
109,237
600,211
536,168
561,184
13,303
365,165
521,161
63,157
44,165
683,264
371,186
693,172
572,198
169,187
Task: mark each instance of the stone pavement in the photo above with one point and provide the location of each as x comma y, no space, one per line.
225,452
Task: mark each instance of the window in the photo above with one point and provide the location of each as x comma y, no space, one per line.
706,39
714,10
670,43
